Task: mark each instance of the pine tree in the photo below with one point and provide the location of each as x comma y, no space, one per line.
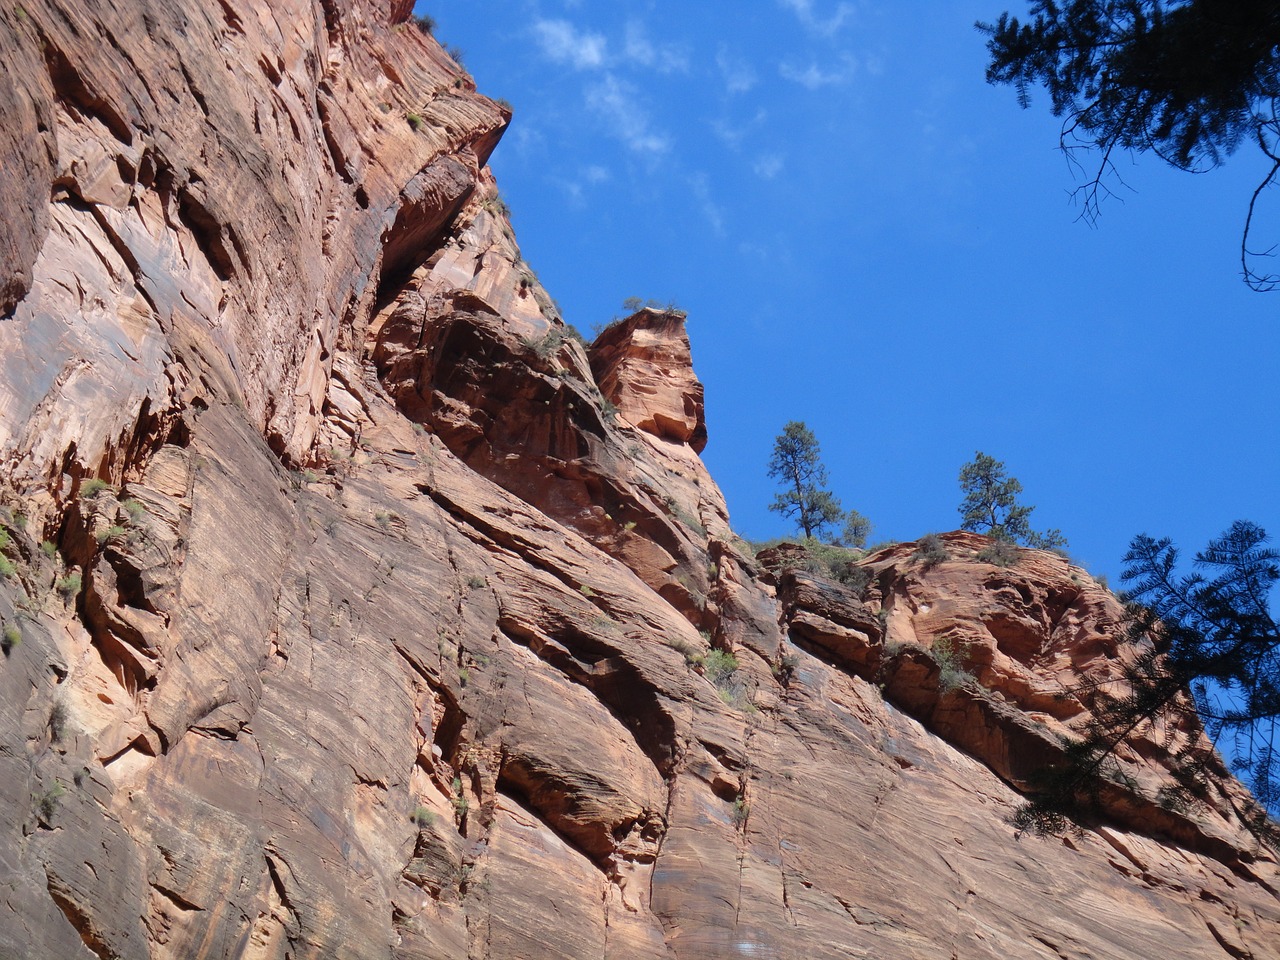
1189,81
1210,633
857,529
804,497
991,505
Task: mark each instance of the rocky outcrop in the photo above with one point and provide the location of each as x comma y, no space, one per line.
1006,659
353,608
644,366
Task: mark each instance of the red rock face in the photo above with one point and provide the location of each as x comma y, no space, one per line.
358,610
644,367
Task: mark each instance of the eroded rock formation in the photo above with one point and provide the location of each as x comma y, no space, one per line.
358,610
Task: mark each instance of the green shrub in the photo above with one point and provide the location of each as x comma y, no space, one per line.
459,801
599,328
4,539
740,813
69,585
113,532
1002,553
135,508
423,817
688,519
892,648
425,23
546,345
58,720
47,803
91,488
692,655
824,559
838,563
455,53
950,674
785,668
930,551
7,567
12,638
719,666
635,304
49,548
414,120
475,583
496,204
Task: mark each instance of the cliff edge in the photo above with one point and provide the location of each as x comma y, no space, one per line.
354,607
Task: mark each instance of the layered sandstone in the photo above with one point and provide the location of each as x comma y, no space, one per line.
359,610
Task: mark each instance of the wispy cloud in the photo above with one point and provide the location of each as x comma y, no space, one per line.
562,42
812,20
731,135
527,139
701,187
589,176
768,166
617,103
739,77
639,49
815,77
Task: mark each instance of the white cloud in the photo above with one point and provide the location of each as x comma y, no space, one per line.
702,191
732,136
738,75
615,101
768,166
641,50
815,77
561,42
826,26
589,176
526,139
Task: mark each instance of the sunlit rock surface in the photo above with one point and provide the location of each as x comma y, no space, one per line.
359,610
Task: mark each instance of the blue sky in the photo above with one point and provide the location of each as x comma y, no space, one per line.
869,238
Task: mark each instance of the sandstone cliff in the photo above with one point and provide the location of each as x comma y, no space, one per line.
354,608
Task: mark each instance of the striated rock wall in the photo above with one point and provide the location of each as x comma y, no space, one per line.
353,608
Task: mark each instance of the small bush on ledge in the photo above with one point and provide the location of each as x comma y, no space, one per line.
1002,553
12,638
930,551
950,674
